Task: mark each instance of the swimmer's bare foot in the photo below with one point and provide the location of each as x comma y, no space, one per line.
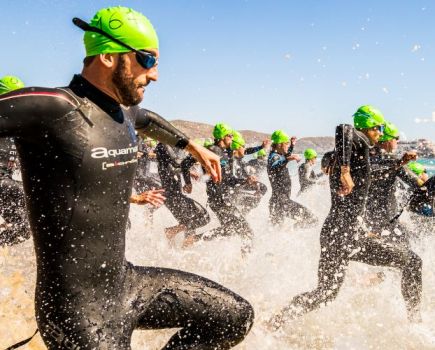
172,232
189,241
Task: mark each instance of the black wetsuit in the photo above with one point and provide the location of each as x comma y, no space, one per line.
247,196
187,211
381,205
12,207
258,164
78,151
221,200
307,176
423,199
280,204
145,180
343,237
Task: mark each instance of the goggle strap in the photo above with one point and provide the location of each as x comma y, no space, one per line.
88,28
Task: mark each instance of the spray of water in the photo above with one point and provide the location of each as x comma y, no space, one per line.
283,263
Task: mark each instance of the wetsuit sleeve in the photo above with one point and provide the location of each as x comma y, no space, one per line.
27,111
344,135
186,164
153,125
251,150
408,177
276,161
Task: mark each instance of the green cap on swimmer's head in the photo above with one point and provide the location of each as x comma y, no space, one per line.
416,168
367,117
238,141
221,130
279,136
260,154
124,24
9,83
310,154
391,132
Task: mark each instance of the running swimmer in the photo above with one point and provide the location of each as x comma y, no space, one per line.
307,176
14,227
387,170
145,179
259,162
190,214
422,201
280,204
249,194
78,153
342,239
220,195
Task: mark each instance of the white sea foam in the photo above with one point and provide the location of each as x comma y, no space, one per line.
282,264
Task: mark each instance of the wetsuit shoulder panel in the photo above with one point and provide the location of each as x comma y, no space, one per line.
25,111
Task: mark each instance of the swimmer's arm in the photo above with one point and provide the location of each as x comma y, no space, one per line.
153,125
408,177
344,135
251,150
278,162
186,164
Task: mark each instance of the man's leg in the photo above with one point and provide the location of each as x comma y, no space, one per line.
210,316
376,252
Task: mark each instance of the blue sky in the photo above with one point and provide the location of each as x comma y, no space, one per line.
303,66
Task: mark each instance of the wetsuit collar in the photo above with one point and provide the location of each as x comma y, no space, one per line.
83,88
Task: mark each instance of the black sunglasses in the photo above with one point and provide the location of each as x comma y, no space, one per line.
146,59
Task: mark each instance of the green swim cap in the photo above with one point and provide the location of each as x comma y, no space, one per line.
390,132
238,141
124,24
208,143
261,153
9,83
416,168
279,136
221,130
310,154
367,117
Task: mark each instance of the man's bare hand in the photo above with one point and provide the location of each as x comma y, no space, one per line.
347,183
294,157
209,160
408,157
153,197
266,144
293,140
187,188
194,175
251,180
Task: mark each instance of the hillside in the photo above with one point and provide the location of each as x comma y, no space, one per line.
197,130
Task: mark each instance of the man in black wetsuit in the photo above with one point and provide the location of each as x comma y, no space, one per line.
259,162
190,214
78,153
280,204
248,195
221,195
386,170
342,238
145,180
14,227
422,201
307,176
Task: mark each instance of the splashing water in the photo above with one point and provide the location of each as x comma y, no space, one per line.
282,264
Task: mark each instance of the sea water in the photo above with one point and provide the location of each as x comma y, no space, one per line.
283,263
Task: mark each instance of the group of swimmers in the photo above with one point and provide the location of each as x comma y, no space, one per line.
78,154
